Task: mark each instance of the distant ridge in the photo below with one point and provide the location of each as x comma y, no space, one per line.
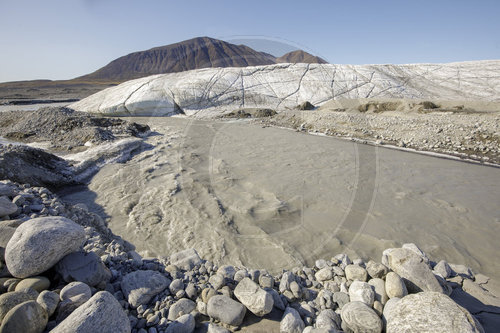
196,53
300,56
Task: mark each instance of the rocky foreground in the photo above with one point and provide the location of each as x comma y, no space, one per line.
63,270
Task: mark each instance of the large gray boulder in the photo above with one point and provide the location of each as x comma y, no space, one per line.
13,298
362,292
38,244
27,317
85,267
430,312
256,299
291,321
413,269
7,207
102,313
226,310
140,286
359,317
395,286
181,307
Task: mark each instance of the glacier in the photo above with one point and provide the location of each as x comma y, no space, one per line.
210,92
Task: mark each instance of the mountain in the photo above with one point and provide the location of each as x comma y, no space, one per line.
196,53
209,92
300,56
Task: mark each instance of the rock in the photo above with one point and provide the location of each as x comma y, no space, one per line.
227,271
183,324
217,281
7,229
7,190
186,259
176,286
102,313
442,268
430,312
480,293
278,302
324,274
340,298
376,270
226,310
329,320
462,270
394,286
362,292
265,281
37,283
74,289
27,317
240,275
256,299
207,293
291,322
13,298
417,250
389,309
359,317
306,106
49,301
140,286
379,288
286,279
413,270
181,307
355,272
85,267
212,328
38,244
7,207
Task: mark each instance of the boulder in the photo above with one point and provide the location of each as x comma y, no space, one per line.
362,292
379,289
181,307
286,280
183,324
430,312
13,298
324,274
38,244
74,289
38,283
376,270
413,269
140,286
359,317
102,313
226,310
328,319
443,268
7,207
49,300
27,317
227,271
186,259
85,267
291,322
256,299
395,286
355,272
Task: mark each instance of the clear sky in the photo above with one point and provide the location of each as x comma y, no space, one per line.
62,39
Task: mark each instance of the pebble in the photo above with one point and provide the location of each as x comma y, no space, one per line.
27,317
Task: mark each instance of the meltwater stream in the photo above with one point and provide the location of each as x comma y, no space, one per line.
273,198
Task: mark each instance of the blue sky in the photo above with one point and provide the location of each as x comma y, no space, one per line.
62,39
